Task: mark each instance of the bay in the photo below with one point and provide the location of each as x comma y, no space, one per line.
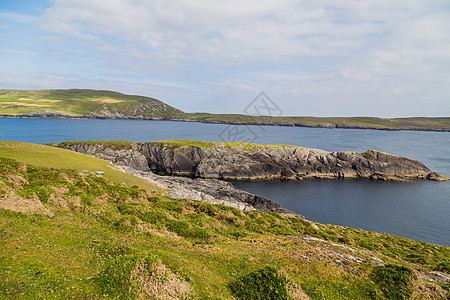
418,210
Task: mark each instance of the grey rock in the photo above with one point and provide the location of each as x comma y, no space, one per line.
223,161
132,159
212,191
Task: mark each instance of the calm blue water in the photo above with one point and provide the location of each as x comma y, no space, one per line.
418,210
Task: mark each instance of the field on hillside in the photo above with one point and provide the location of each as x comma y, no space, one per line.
66,232
82,102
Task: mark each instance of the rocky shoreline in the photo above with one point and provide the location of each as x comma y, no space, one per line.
255,162
202,165
93,116
212,191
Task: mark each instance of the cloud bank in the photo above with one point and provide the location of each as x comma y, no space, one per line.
324,58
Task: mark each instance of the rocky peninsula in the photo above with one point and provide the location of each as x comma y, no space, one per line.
254,161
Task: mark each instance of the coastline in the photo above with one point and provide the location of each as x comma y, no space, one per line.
40,115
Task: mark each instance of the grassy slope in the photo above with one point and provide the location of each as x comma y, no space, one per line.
89,250
51,157
81,102
84,102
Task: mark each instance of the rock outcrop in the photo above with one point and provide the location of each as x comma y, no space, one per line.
212,191
251,161
128,159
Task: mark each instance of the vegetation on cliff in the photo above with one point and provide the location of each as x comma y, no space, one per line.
108,104
69,231
82,102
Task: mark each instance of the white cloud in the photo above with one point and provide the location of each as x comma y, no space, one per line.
220,31
317,57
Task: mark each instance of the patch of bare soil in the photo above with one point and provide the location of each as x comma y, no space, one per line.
425,290
111,101
161,284
59,199
14,202
16,180
163,232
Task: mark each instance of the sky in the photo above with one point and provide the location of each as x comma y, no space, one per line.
378,58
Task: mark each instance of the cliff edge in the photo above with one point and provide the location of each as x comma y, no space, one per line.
254,161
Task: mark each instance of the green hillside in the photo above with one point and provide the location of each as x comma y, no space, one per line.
108,104
83,102
68,232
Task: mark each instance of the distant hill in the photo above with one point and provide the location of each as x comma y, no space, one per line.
81,102
414,123
84,103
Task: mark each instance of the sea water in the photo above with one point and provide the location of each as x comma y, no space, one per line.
418,210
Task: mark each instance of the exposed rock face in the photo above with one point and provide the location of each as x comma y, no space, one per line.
126,154
130,160
235,161
213,191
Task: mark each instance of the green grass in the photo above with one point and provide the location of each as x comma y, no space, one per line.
52,157
202,144
264,284
394,281
121,242
82,102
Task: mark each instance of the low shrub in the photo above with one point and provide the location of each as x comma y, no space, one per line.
443,267
127,222
281,229
203,207
153,217
393,280
264,284
171,206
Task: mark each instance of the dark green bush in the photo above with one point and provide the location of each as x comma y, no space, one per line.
416,258
179,227
443,267
281,229
186,230
203,207
153,217
393,280
132,208
127,222
264,284
343,240
368,245
170,206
